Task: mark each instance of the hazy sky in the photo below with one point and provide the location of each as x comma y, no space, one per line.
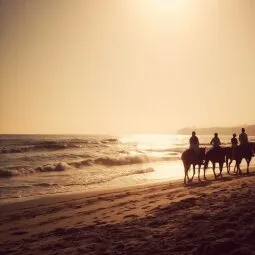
121,66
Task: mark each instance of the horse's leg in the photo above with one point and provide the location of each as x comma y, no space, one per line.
199,166
238,169
221,168
213,163
189,179
205,166
194,171
219,174
229,165
186,174
248,164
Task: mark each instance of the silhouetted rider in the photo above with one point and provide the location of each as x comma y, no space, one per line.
194,142
215,142
234,143
243,138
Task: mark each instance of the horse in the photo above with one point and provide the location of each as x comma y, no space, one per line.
190,157
245,151
238,154
215,155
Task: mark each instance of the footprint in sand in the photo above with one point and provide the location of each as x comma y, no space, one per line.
130,216
18,233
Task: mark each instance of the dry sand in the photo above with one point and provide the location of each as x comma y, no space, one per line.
211,217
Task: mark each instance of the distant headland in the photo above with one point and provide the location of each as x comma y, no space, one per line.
250,130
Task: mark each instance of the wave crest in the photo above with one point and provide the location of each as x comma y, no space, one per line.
16,172
104,161
57,167
127,160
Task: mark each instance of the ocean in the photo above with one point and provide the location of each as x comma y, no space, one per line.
40,165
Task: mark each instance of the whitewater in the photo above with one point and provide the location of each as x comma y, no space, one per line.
39,165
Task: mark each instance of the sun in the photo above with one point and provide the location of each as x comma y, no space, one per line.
168,5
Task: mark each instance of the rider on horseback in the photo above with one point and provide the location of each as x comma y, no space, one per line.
243,138
234,143
244,143
194,142
215,142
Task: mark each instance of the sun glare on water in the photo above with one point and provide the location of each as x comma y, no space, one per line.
152,141
165,147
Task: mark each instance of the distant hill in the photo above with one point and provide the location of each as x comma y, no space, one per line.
250,130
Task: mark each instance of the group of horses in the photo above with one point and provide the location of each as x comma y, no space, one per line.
216,155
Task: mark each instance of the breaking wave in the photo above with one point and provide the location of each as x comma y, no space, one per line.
110,140
16,172
120,161
104,161
39,147
18,146
28,170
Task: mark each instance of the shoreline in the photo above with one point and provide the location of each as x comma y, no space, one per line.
101,191
85,194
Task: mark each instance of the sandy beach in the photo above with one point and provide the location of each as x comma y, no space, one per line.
211,217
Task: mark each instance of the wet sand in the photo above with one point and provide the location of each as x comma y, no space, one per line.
211,217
